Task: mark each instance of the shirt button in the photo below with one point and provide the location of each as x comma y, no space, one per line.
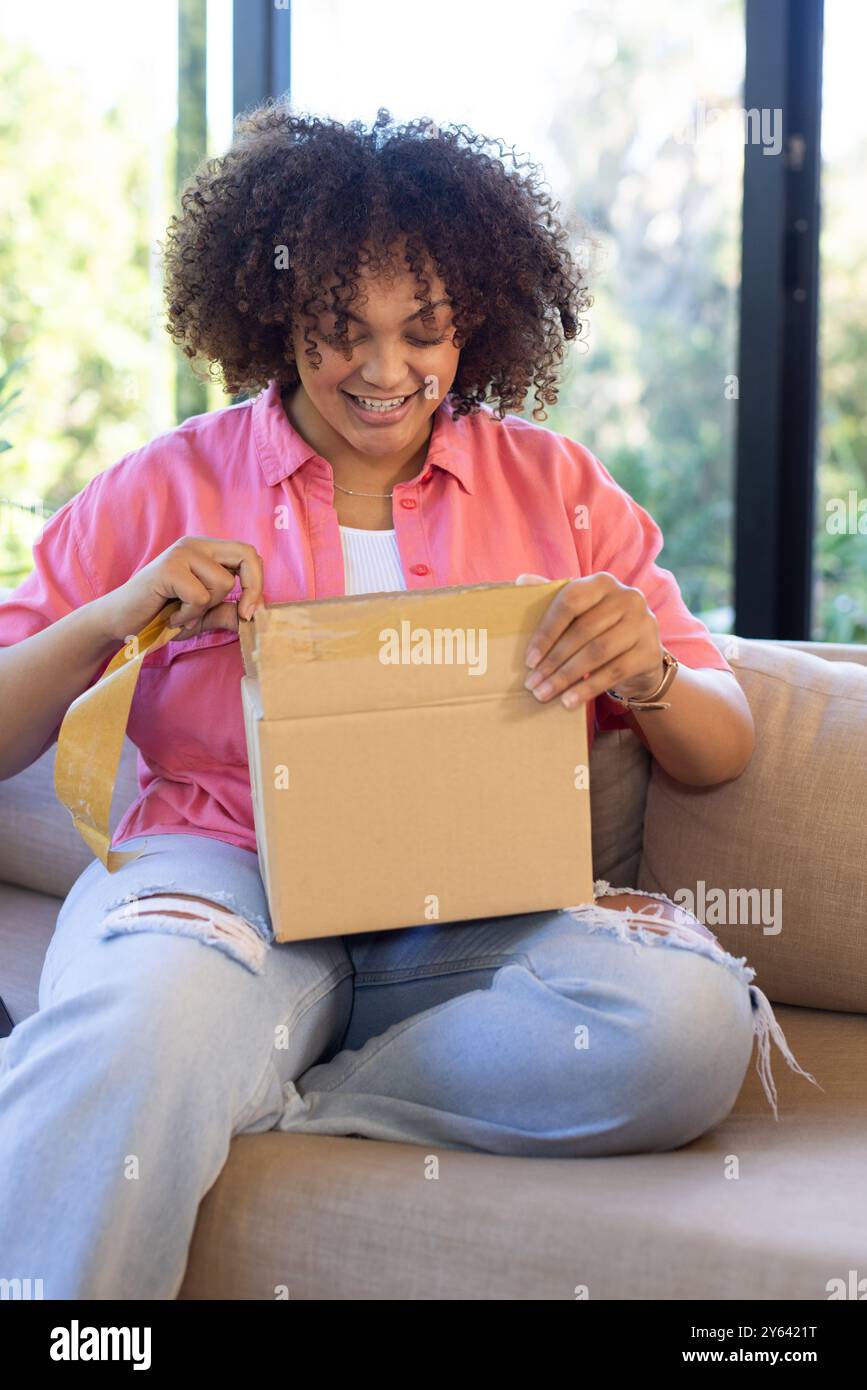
408,502
419,569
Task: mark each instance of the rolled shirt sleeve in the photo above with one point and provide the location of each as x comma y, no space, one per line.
61,580
97,540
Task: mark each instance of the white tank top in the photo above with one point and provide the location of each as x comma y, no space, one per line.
371,560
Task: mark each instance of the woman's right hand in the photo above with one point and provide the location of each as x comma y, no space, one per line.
198,570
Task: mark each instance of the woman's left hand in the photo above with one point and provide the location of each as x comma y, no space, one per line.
596,635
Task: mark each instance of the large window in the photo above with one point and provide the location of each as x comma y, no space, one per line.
635,113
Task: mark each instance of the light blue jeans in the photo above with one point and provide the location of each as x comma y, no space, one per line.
560,1034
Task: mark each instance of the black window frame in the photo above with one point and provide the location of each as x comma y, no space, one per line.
261,52
775,467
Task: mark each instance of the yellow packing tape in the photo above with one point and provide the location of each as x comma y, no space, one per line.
91,737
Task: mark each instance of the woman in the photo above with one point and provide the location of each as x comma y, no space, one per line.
370,290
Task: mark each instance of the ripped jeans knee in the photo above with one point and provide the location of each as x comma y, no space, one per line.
187,915
654,926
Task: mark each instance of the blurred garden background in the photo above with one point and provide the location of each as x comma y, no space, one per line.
631,108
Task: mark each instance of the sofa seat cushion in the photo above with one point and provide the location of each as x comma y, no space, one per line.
351,1218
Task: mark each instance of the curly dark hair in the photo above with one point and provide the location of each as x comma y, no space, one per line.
296,198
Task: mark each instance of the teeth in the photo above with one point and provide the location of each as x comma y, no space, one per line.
380,405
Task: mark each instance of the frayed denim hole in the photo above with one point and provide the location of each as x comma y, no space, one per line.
215,896
676,935
228,932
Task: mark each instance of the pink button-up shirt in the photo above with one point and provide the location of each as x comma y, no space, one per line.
494,498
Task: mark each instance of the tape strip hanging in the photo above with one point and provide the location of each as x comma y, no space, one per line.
91,737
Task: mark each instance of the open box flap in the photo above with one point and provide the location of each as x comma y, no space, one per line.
429,646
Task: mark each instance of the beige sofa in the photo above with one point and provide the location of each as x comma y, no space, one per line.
758,1208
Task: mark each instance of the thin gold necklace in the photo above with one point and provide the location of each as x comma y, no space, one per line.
352,493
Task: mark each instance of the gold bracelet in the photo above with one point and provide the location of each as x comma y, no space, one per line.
669,671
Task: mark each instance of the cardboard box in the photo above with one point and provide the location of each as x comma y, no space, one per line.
401,773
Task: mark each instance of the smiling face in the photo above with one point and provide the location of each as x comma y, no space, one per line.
379,400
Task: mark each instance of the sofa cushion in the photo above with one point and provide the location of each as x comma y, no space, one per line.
791,827
619,776
40,847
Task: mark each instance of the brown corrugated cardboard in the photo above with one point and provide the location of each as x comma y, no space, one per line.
401,772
